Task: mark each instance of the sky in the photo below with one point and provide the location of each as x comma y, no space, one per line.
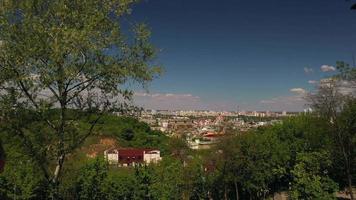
242,54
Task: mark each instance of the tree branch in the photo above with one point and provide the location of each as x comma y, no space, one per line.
29,96
90,131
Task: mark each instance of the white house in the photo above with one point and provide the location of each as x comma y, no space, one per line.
130,156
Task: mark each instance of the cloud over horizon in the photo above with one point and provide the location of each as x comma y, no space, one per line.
296,102
172,101
288,103
185,101
312,82
298,91
164,101
308,70
327,68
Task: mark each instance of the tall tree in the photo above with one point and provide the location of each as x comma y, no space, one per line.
252,163
333,100
62,55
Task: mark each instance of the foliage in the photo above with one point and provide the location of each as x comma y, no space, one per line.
90,180
310,177
21,178
167,181
131,133
252,165
253,162
334,101
57,56
95,181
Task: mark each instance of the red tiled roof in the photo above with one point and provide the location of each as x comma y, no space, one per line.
133,152
210,134
131,155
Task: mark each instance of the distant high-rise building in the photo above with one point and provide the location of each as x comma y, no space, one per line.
308,110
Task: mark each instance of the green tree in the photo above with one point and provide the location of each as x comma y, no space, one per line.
143,181
310,177
119,185
167,181
96,181
252,163
345,143
22,175
197,181
64,54
334,102
91,179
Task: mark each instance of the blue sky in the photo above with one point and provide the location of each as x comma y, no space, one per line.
223,54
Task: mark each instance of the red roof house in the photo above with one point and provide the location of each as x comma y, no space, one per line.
132,156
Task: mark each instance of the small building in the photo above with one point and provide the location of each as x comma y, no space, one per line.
132,156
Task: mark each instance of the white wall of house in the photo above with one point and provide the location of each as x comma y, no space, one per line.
152,156
112,156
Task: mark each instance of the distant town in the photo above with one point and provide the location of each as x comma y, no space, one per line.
202,128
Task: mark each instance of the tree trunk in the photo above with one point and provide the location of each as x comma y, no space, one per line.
349,179
345,150
56,174
58,168
209,196
236,191
225,193
61,132
347,161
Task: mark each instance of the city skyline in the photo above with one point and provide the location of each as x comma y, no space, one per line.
254,55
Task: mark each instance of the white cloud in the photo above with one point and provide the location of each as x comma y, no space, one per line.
164,95
290,103
180,101
186,101
312,82
308,70
327,68
169,101
299,91
268,101
342,86
283,100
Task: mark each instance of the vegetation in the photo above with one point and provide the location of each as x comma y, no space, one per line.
299,156
61,86
61,55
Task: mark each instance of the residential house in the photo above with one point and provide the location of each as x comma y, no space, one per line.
132,156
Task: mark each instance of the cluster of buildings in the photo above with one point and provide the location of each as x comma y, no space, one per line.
204,128
209,113
200,129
